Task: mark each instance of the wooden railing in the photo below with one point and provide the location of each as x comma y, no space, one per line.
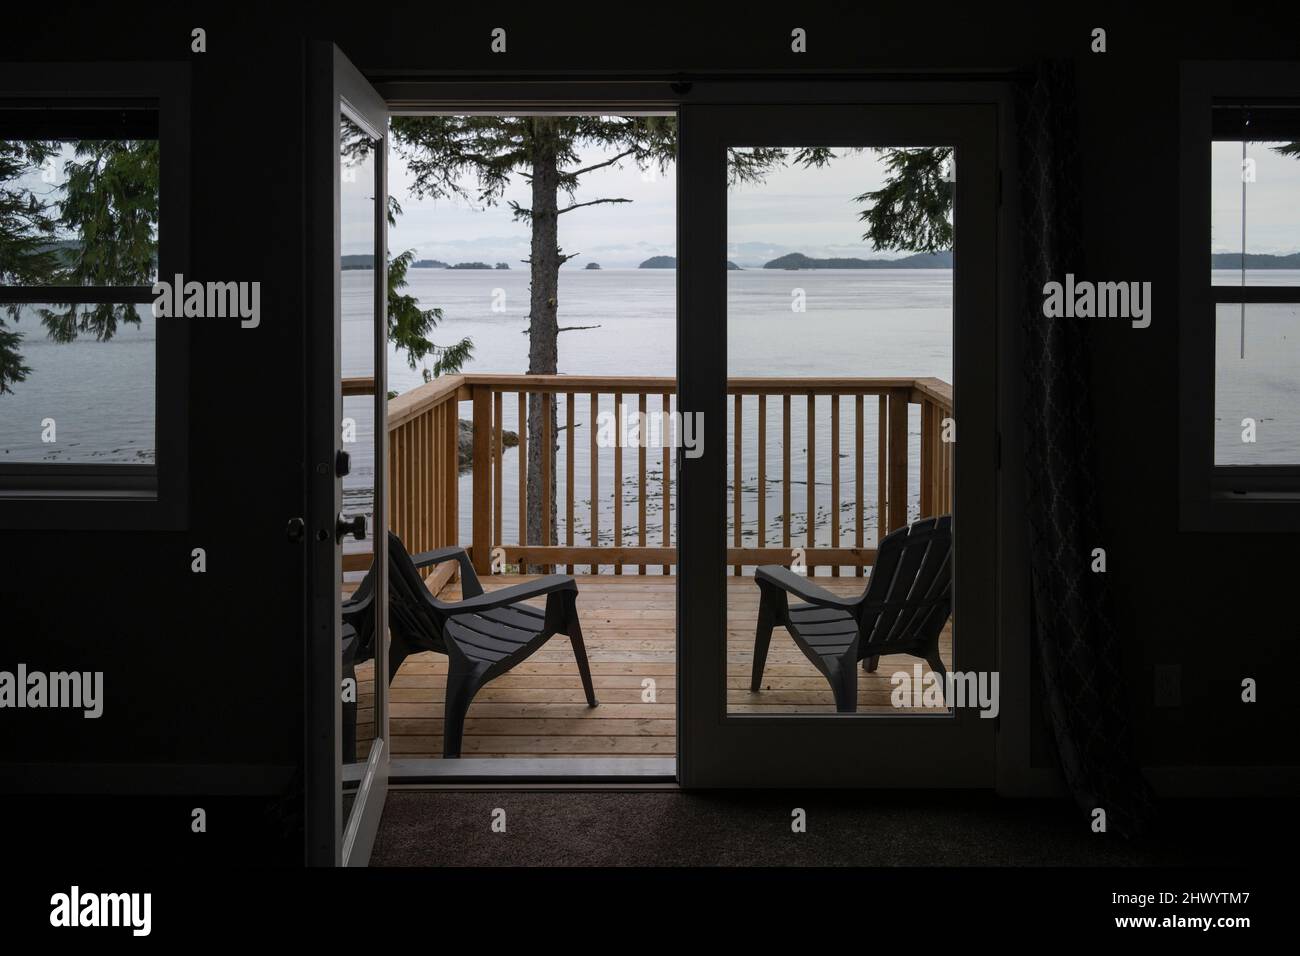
423,440
423,476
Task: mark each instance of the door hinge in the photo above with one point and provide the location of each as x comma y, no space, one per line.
997,451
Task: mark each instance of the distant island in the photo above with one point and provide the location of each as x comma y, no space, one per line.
1254,260
922,260
593,265
368,262
670,262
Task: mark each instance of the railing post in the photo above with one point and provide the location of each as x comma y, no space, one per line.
482,522
928,486
898,404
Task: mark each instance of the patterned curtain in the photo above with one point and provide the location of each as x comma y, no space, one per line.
1077,645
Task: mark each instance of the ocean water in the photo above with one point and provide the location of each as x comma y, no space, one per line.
857,323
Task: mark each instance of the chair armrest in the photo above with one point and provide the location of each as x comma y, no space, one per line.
502,597
802,588
469,583
426,558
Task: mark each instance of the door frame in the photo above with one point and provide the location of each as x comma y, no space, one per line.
752,750
336,86
561,92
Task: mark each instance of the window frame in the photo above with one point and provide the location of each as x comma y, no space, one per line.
80,496
1213,497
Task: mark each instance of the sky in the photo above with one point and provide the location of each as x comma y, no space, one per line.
1272,200
795,210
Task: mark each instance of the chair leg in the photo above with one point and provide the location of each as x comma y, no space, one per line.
462,684
762,638
844,685
580,652
869,664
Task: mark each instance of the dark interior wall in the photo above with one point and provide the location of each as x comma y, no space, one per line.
203,672
207,669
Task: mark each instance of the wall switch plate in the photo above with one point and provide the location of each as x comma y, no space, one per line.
1169,685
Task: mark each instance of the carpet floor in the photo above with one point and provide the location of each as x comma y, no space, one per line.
671,828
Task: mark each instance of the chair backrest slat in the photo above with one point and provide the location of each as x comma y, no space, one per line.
409,613
908,596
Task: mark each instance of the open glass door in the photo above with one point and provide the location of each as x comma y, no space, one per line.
347,447
838,544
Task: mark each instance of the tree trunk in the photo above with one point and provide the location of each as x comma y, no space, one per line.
543,328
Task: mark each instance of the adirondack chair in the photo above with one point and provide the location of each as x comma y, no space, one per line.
902,611
483,635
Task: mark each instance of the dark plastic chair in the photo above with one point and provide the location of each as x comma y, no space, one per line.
483,635
902,611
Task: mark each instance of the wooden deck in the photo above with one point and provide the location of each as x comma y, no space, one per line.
628,622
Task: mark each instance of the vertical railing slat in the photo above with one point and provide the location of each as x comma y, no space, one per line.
482,514
882,467
618,478
785,472
736,512
812,481
548,459
569,429
665,438
762,471
595,478
859,477
523,473
897,459
498,469
835,479
640,475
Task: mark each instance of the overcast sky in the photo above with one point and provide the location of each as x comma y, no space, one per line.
795,210
1272,200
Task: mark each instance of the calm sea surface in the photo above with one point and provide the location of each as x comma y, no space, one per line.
857,323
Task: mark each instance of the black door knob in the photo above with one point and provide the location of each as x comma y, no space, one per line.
355,526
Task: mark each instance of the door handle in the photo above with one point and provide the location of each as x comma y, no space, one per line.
355,526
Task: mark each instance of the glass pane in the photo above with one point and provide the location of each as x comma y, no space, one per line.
357,198
1257,385
840,360
78,384
568,490
79,212
1255,211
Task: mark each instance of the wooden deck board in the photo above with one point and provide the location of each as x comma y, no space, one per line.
628,624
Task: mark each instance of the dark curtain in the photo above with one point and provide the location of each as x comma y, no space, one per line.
1076,643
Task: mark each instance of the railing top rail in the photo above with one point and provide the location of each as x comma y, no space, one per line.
455,388
423,397
740,385
935,389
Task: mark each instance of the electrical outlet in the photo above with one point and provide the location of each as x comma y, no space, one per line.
1169,685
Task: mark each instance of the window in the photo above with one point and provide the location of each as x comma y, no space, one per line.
92,214
1240,324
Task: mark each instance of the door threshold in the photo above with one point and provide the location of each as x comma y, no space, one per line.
533,770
